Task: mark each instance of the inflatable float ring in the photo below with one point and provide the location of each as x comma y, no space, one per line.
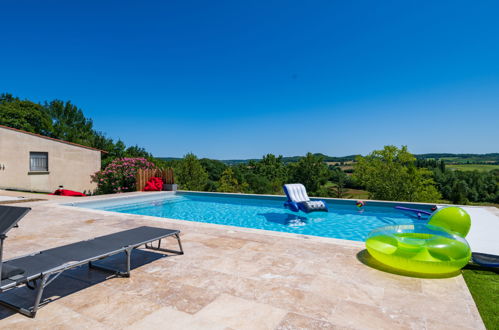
419,248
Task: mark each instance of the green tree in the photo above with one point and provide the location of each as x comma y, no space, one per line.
461,187
311,171
191,175
441,166
215,168
137,152
258,184
229,183
459,193
25,115
273,169
340,180
391,174
69,123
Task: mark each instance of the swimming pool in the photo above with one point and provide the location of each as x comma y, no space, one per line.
344,220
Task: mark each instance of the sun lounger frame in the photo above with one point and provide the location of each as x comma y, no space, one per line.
13,216
47,277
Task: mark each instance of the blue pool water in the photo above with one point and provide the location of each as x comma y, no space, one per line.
344,220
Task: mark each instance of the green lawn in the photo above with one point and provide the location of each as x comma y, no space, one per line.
357,194
351,193
473,167
484,287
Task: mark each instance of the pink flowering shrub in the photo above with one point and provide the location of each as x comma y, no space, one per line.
119,175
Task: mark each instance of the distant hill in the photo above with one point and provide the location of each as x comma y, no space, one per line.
292,159
492,158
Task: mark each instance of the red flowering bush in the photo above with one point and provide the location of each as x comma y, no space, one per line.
120,175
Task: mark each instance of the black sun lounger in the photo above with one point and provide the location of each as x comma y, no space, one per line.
485,260
38,270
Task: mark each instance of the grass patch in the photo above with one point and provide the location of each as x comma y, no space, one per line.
484,287
357,194
473,167
349,193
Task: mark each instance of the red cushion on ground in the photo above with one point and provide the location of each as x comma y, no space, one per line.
65,192
154,184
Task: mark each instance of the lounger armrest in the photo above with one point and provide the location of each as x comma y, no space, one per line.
293,206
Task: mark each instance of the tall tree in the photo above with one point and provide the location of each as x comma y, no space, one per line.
258,184
215,168
191,175
273,169
340,179
391,174
311,171
69,123
136,151
229,183
25,115
459,193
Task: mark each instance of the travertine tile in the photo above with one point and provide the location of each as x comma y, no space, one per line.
109,306
295,300
359,316
293,321
185,298
55,316
443,323
344,289
224,242
239,313
433,308
168,318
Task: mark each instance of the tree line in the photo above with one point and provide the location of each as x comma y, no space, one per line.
388,174
265,176
462,187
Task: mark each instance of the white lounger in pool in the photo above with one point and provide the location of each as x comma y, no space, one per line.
298,199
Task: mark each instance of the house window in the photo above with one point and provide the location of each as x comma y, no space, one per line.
38,161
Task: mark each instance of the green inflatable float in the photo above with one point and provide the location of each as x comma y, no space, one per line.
453,219
435,248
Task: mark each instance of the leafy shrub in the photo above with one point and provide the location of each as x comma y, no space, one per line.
120,175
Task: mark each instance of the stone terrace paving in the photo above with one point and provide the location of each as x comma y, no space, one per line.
229,278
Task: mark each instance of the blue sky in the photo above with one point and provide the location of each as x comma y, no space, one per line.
239,79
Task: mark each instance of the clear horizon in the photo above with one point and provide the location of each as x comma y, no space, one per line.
232,80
